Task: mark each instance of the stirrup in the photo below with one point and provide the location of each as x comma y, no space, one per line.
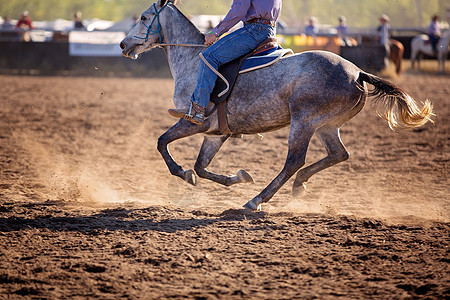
188,116
195,114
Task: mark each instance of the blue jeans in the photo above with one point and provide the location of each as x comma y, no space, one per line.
226,49
434,40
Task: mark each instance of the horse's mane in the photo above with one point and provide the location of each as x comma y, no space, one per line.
175,2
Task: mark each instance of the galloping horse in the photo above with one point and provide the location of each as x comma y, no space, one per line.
396,55
315,92
421,45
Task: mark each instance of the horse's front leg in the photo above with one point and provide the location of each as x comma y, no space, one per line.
180,130
442,56
210,147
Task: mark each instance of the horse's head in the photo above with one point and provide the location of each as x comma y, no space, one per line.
147,32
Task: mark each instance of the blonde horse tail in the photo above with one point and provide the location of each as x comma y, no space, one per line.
394,105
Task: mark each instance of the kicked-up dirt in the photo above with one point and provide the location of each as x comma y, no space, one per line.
88,208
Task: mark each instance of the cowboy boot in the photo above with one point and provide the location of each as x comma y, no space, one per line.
194,113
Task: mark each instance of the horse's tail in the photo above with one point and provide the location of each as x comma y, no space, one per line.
394,105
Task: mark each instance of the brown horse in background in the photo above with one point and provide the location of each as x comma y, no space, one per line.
396,55
396,51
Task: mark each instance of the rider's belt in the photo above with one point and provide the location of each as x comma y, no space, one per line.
262,21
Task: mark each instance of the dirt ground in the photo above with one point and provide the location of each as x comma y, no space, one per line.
88,208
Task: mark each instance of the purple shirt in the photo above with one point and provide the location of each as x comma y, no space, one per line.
245,10
434,29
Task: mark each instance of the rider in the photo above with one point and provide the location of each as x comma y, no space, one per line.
259,17
434,32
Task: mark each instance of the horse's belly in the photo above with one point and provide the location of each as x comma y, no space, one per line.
257,122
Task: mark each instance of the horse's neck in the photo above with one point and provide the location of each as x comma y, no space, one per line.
183,61
445,39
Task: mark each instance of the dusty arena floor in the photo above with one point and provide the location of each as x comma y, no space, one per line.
88,208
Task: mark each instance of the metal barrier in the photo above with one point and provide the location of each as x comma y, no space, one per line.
368,57
53,58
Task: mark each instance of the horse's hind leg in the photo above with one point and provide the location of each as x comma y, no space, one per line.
441,62
210,147
299,137
336,151
418,59
414,59
398,62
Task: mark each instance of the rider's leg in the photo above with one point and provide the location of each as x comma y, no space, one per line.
433,40
226,49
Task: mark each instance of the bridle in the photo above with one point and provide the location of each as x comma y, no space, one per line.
149,28
158,30
161,44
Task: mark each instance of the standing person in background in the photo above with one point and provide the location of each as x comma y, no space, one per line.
24,25
311,29
7,25
25,21
342,31
434,32
384,32
77,21
259,17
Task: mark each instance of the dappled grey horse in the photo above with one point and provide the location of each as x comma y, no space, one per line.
315,92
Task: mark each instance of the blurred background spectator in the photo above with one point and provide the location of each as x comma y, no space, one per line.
342,31
25,21
25,24
311,29
78,22
7,25
384,32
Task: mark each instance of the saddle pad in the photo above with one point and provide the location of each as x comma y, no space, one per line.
261,61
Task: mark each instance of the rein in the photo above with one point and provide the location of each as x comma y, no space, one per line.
182,45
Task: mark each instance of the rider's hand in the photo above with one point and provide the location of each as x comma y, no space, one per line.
210,39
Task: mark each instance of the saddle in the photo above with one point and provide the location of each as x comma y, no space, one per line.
266,54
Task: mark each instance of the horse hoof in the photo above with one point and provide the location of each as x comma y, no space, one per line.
189,176
244,176
298,190
254,204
